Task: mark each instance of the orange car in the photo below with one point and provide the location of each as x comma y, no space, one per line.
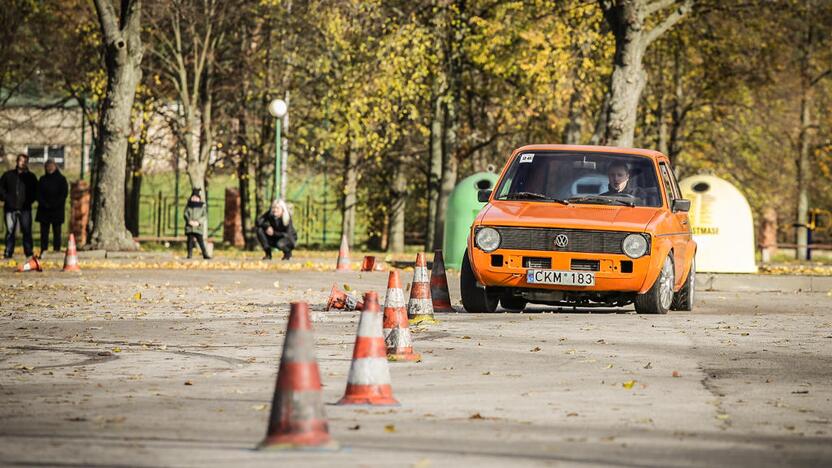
585,226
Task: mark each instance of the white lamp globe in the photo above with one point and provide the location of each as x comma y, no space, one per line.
277,108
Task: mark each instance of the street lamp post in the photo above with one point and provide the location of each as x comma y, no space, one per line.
277,108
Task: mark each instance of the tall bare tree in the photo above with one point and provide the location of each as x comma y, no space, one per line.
187,34
629,21
121,37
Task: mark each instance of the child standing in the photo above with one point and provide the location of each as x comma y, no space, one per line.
196,223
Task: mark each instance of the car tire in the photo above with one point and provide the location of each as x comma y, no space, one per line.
474,299
513,303
659,298
683,300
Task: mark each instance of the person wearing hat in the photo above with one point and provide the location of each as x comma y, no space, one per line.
196,223
52,194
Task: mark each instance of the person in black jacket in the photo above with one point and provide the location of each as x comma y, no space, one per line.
52,193
18,190
274,229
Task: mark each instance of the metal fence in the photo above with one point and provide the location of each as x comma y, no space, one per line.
318,222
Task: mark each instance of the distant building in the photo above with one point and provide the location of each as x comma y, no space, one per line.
53,129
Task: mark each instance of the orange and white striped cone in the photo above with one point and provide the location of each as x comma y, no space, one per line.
31,265
297,420
342,301
439,285
71,257
420,305
396,329
343,255
369,379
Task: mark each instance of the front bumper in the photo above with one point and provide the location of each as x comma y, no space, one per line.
618,273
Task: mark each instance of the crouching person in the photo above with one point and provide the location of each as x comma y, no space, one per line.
275,230
196,224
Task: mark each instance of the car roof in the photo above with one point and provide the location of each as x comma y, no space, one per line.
593,149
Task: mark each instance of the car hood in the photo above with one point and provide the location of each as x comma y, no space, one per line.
574,216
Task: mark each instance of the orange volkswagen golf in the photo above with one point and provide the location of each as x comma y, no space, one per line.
585,226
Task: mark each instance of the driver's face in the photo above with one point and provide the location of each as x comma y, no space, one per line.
618,176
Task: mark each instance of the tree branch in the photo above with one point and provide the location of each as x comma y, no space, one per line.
657,5
107,20
667,23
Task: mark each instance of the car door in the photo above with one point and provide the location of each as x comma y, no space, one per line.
680,234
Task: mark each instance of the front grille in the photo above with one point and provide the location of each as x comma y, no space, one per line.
543,263
585,265
579,240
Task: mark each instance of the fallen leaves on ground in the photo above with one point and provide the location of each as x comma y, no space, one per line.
390,428
628,384
535,349
476,416
676,374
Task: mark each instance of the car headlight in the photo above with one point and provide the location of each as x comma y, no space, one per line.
488,239
634,245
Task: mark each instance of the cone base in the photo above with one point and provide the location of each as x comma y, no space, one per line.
412,357
442,308
367,401
279,443
72,268
420,319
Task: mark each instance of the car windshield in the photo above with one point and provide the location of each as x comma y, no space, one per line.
574,177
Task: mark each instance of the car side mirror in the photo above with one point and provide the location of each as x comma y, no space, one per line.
680,204
483,196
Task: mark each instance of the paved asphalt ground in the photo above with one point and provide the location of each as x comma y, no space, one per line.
93,375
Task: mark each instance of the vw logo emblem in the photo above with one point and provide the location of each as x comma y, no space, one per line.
561,240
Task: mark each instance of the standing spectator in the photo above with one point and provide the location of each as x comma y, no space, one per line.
52,193
196,223
18,190
274,229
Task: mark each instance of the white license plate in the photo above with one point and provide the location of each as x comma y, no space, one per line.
566,278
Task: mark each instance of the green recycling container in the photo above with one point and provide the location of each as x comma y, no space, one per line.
463,208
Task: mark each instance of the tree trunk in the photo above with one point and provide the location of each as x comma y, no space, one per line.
348,198
626,19
122,56
434,172
395,242
804,174
133,189
572,130
448,180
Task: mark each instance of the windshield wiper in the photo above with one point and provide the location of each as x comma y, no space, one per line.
531,196
602,200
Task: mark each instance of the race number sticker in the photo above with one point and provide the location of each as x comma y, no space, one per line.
526,158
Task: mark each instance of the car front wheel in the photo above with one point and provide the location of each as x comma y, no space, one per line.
474,299
513,303
658,299
683,300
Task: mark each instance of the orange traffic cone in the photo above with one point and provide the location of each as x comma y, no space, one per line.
343,255
341,300
420,307
297,419
369,263
439,285
31,265
396,329
71,257
369,379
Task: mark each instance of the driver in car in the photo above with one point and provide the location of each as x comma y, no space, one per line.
619,183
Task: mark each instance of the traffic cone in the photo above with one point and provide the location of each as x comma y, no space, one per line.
396,329
439,284
31,265
343,255
369,379
420,307
369,263
297,419
71,257
341,300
